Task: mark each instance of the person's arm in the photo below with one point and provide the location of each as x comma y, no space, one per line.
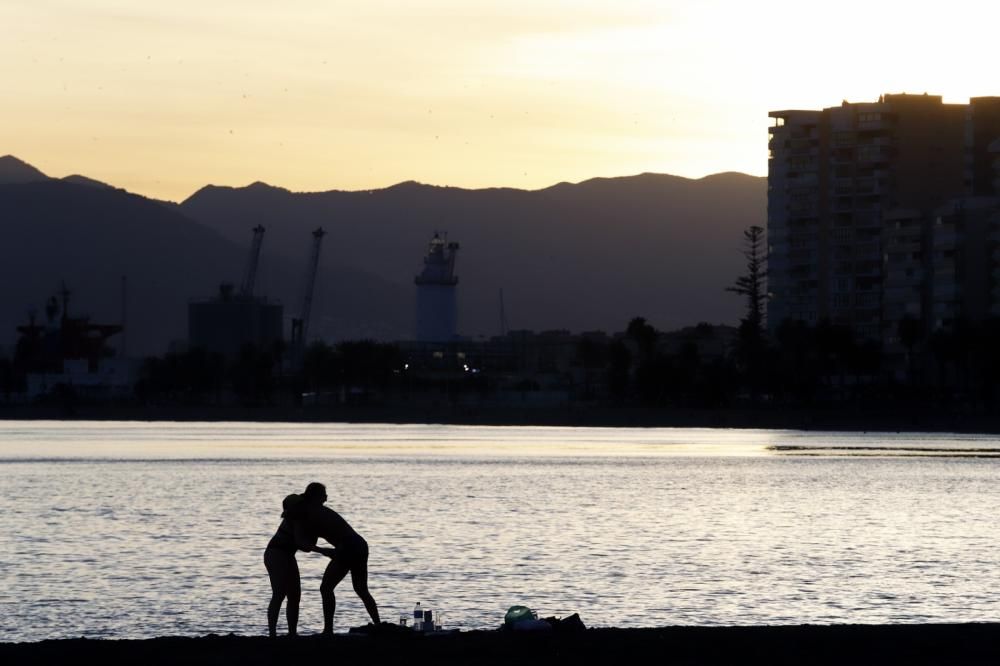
303,539
329,552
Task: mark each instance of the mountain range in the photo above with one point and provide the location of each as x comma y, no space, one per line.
582,256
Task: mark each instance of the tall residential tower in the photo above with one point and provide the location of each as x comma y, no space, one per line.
853,195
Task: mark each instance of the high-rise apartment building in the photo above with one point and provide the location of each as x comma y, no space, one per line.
853,195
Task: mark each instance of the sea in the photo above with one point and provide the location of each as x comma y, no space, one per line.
143,529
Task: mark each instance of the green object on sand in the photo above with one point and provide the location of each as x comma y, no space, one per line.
517,614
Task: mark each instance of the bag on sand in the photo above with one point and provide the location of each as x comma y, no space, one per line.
522,618
516,614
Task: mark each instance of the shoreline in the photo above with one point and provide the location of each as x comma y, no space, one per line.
842,419
784,644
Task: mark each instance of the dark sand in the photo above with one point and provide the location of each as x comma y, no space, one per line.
843,644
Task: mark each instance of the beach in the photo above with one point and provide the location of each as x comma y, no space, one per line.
804,644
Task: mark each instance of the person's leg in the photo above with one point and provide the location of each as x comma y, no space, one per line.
335,572
294,594
359,578
278,575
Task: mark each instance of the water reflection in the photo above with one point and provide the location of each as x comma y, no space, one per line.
134,530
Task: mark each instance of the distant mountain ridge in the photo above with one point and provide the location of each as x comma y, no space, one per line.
93,236
579,256
15,172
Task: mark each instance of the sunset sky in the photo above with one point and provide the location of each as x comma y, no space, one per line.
162,98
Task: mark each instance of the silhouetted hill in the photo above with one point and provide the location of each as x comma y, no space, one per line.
580,256
77,179
14,171
92,236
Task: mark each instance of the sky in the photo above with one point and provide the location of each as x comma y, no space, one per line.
162,98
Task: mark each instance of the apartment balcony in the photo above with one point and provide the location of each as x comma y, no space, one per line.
842,157
868,315
900,261
844,138
874,154
903,246
802,189
871,255
943,270
868,219
902,281
903,301
944,310
879,125
871,187
871,205
905,233
804,178
802,172
868,269
803,270
945,292
945,238
802,210
799,256
868,250
810,245
869,300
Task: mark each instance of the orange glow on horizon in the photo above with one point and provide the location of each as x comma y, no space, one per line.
329,95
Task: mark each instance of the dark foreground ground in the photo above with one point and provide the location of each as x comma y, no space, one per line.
845,644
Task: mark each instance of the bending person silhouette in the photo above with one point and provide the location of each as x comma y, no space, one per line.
282,568
350,553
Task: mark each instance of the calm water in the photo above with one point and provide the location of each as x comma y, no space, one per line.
137,530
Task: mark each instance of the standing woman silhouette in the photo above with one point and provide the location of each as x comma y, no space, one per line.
282,568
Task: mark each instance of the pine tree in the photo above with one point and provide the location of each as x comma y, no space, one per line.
750,348
752,284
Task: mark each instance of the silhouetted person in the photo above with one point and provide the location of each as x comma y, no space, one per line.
282,568
350,553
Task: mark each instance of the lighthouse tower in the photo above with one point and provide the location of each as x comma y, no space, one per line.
437,305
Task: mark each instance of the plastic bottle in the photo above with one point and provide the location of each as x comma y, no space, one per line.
418,618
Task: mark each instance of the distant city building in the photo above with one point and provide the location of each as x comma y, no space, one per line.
870,206
237,318
437,304
227,323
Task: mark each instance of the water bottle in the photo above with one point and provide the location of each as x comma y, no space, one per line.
418,618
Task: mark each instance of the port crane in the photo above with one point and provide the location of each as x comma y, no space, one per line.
300,325
250,275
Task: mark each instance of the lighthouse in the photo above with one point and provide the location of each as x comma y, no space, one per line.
437,304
